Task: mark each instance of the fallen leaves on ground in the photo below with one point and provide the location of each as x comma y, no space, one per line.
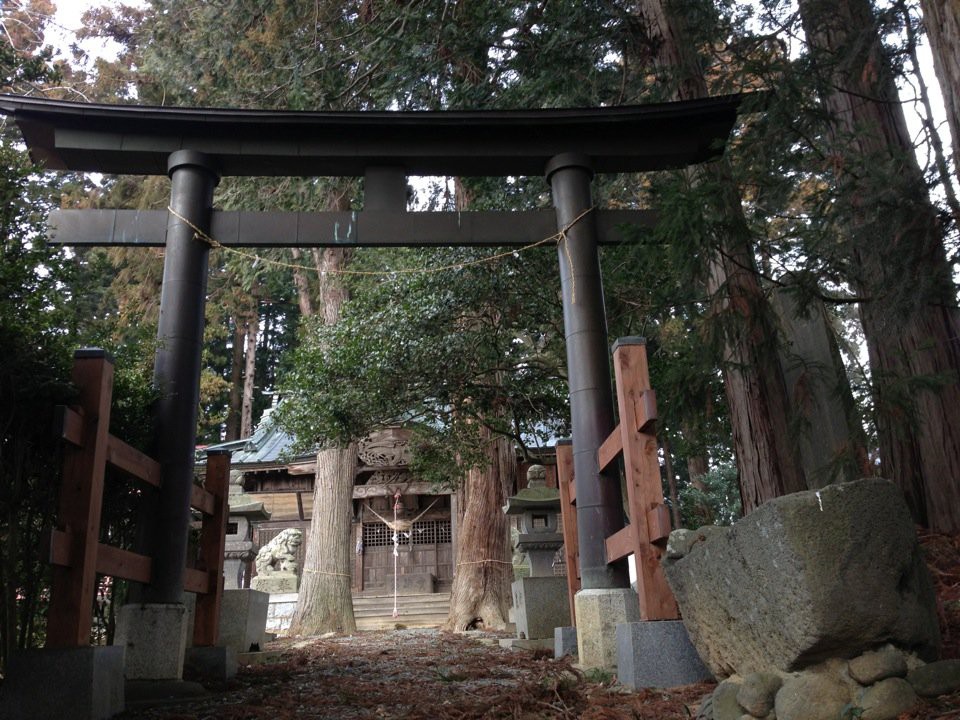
428,674
422,675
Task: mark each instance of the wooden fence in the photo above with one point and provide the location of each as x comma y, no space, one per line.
635,440
77,555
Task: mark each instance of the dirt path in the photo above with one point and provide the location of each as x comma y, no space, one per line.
421,674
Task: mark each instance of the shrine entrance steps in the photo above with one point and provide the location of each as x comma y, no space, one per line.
375,611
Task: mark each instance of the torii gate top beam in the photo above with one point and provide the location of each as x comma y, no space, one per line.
139,140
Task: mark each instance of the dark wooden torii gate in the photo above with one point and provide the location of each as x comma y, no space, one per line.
195,147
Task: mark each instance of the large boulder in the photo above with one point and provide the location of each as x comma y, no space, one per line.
806,577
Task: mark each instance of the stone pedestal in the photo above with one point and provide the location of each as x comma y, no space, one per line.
71,683
276,583
540,605
657,653
280,612
517,644
155,639
215,663
564,641
243,619
598,614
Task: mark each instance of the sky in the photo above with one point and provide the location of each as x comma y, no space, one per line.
67,22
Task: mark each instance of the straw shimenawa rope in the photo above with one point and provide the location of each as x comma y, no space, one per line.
558,237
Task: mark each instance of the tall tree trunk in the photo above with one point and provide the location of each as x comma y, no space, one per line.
249,374
753,383
942,21
302,284
671,482
899,262
236,379
325,603
483,571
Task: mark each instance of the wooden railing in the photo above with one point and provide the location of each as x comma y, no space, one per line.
75,552
635,440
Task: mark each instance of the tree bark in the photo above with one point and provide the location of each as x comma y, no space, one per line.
899,264
942,21
232,431
671,482
325,603
753,383
302,284
483,571
249,374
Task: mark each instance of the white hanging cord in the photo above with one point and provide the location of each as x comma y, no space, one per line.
401,525
396,550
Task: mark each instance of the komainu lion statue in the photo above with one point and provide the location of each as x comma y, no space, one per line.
280,554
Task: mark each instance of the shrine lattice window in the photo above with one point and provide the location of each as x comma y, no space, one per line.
426,532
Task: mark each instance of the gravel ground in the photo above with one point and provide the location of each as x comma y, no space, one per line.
420,674
428,674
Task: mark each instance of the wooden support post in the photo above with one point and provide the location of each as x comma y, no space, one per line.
642,469
81,500
212,542
568,511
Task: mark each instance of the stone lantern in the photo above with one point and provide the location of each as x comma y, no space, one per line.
540,602
538,506
239,550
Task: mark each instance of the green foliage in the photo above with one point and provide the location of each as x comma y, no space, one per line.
449,351
850,711
33,379
601,676
713,500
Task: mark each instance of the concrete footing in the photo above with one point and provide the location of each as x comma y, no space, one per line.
657,653
540,604
243,619
564,641
599,611
214,663
72,684
518,644
155,639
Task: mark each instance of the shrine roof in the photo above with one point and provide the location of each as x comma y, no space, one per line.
138,139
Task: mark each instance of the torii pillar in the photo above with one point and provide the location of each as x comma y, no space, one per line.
154,631
605,599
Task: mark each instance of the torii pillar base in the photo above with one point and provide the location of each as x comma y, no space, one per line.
599,611
658,654
84,683
154,636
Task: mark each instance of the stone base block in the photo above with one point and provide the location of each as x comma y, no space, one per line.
72,684
564,641
517,644
657,653
276,583
215,663
280,612
540,605
598,614
264,657
155,638
243,619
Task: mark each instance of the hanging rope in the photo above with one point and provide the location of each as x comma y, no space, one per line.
559,237
396,549
401,525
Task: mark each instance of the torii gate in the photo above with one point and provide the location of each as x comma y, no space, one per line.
195,147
